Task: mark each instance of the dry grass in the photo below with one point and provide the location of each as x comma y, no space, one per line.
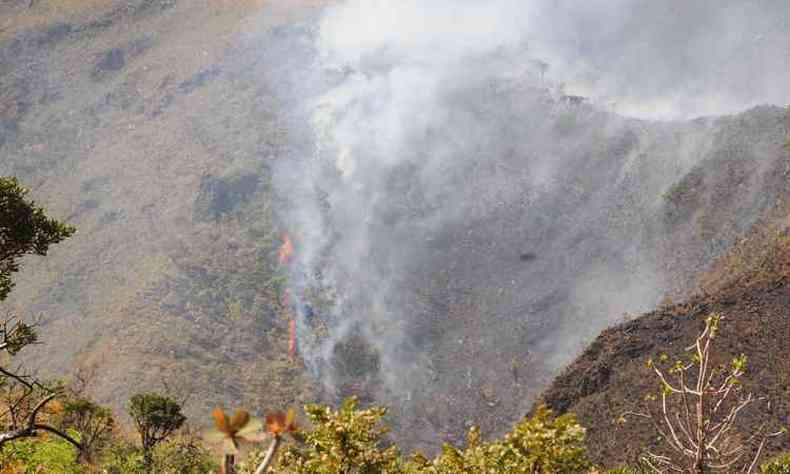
758,259
45,13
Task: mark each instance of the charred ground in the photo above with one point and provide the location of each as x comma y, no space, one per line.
750,288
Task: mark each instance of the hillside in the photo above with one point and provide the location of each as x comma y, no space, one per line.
478,237
172,276
750,288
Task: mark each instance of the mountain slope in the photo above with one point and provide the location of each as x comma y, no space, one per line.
501,241
750,288
110,113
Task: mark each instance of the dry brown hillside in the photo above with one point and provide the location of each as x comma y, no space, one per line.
750,288
108,111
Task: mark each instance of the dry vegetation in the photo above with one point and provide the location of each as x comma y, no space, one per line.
750,288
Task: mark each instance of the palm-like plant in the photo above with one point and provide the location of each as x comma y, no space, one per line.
277,425
232,431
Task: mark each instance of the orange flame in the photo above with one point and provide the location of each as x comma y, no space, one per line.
285,300
286,252
292,340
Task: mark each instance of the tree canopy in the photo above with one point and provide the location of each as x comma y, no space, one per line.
156,417
25,229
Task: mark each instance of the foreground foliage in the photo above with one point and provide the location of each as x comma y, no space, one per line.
351,440
348,440
156,417
25,229
541,444
49,454
780,465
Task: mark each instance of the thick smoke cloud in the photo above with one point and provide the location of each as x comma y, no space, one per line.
465,210
389,135
670,59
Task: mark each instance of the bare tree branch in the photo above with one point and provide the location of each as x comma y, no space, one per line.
698,428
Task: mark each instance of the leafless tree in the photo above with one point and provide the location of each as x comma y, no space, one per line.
696,411
82,381
23,398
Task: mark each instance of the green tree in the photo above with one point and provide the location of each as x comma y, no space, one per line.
93,422
156,418
342,442
25,229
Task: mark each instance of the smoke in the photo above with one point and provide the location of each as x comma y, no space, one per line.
387,133
462,209
668,59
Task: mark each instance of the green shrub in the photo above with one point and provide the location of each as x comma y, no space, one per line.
541,444
122,458
157,417
351,440
344,441
183,456
179,455
52,454
779,465
91,421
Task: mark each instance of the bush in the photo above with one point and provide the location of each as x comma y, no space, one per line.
183,455
351,441
156,417
92,422
49,454
541,444
696,410
779,465
344,441
122,458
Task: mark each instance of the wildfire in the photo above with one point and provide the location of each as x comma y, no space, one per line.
285,300
285,255
292,339
286,252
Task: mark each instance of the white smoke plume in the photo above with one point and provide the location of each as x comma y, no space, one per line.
455,196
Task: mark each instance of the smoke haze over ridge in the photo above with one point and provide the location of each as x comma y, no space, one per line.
451,183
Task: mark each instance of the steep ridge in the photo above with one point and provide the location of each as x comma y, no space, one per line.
750,288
